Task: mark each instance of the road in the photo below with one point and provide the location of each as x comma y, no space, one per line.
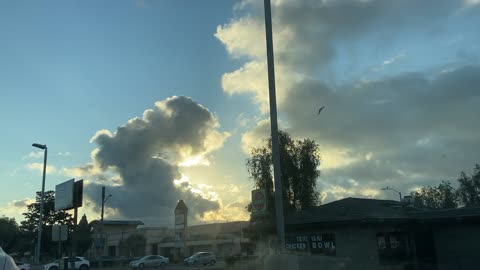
218,265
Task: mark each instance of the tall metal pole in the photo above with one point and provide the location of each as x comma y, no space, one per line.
274,128
103,205
74,239
102,246
42,199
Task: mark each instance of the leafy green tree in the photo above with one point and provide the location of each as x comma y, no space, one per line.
442,196
9,233
299,161
29,226
469,188
83,235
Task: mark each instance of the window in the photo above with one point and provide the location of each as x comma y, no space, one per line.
112,250
392,247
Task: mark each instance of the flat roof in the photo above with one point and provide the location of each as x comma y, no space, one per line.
120,222
373,210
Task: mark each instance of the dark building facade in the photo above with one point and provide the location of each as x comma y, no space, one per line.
380,234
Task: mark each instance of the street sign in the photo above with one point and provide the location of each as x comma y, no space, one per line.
59,233
259,202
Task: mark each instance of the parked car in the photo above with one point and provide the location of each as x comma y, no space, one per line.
201,258
23,266
6,262
80,264
150,261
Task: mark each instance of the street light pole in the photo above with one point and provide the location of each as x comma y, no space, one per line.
42,199
274,128
399,193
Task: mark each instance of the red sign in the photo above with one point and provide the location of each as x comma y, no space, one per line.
259,202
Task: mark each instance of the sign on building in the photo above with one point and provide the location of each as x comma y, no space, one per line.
315,243
259,202
180,220
181,212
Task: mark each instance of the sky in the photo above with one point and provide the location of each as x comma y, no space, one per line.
163,100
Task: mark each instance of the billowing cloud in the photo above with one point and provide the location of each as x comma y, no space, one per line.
38,166
400,128
34,155
16,208
23,203
256,137
145,154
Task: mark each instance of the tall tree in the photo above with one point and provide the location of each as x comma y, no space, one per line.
442,196
29,226
469,188
299,160
9,233
83,235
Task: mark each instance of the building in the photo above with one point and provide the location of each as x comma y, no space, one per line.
107,238
225,239
383,234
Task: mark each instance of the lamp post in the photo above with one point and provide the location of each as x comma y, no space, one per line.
277,173
40,220
394,190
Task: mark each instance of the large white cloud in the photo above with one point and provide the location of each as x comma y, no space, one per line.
140,161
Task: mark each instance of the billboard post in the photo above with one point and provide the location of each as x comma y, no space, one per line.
69,195
59,234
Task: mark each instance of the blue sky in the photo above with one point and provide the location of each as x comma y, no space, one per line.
69,69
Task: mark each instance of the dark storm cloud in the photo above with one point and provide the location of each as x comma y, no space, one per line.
417,130
314,27
405,130
145,152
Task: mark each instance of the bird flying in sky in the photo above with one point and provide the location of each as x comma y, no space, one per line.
320,110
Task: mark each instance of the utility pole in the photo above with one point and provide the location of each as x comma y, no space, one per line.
102,245
103,205
104,200
277,173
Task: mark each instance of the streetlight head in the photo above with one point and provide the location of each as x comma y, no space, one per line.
41,146
385,188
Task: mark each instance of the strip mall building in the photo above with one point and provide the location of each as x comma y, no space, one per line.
350,233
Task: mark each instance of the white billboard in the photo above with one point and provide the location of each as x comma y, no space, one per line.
64,195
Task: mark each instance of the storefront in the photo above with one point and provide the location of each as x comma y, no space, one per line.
380,234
